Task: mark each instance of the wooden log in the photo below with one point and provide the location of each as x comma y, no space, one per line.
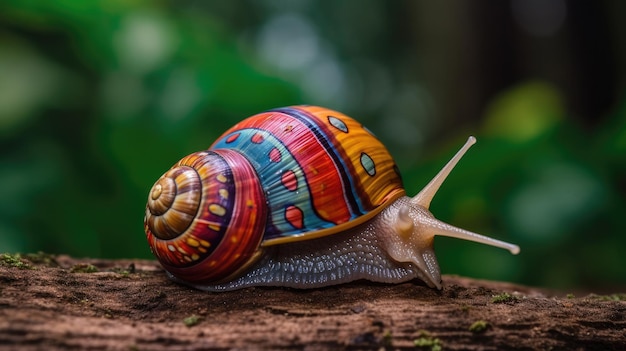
62,303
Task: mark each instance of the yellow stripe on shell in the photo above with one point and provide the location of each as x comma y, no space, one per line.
211,225
193,242
217,210
377,178
223,193
221,178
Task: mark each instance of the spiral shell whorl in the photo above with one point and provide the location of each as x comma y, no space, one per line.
205,216
173,202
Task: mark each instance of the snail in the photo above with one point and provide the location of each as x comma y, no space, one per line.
300,197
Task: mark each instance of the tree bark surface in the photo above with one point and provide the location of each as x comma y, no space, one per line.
54,303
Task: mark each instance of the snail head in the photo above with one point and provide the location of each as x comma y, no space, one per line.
416,227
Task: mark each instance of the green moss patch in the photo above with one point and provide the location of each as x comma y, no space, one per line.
479,326
426,341
42,258
191,320
83,268
504,298
15,261
611,297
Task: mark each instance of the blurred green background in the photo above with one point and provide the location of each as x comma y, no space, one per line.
99,98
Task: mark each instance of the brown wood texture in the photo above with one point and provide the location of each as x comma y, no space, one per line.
53,304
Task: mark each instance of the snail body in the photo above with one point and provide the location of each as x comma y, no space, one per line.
300,197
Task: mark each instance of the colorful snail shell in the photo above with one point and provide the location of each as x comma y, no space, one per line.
301,197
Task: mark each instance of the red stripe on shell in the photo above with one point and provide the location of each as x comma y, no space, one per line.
320,172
